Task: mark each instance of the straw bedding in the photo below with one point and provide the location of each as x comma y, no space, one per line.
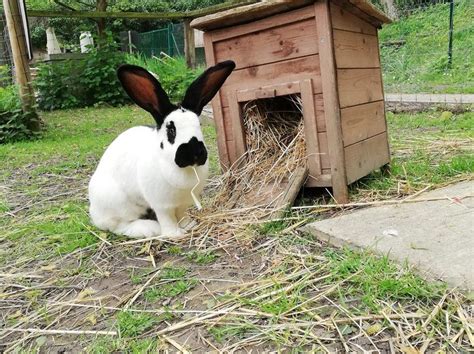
251,189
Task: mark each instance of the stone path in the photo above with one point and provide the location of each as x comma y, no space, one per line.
456,98
437,237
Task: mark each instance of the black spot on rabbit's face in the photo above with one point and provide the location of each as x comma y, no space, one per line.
161,145
191,153
171,132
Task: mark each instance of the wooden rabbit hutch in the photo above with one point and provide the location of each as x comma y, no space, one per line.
326,52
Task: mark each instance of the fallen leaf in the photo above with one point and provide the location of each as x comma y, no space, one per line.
49,267
85,293
92,319
374,329
40,341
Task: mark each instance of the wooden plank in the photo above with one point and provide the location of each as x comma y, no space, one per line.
231,152
265,75
287,88
344,20
238,130
344,4
140,15
227,123
362,122
323,180
271,45
324,154
245,14
357,86
189,48
310,128
383,95
264,24
320,116
355,50
217,108
366,156
107,14
367,7
295,183
331,101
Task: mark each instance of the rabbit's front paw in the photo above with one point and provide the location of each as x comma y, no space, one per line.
173,231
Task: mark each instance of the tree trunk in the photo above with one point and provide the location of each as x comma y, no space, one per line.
101,6
20,61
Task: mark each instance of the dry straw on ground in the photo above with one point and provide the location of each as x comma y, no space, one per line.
250,191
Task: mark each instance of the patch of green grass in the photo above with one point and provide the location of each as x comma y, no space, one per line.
173,272
201,257
105,345
373,279
421,63
427,148
49,232
75,139
132,324
169,290
174,250
272,227
223,332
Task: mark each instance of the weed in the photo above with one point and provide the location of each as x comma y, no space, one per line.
221,333
132,324
169,290
174,250
173,273
104,345
379,279
201,257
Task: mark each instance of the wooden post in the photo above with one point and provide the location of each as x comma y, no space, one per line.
189,48
331,102
20,60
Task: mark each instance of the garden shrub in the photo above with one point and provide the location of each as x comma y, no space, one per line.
81,83
5,77
13,121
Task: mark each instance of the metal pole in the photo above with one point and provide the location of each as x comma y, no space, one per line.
450,46
130,42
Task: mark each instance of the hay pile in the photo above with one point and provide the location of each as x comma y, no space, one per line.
251,190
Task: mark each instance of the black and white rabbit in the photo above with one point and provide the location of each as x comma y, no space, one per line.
151,168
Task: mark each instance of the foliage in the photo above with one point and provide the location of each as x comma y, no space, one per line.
81,83
414,51
13,121
133,324
5,78
173,73
68,29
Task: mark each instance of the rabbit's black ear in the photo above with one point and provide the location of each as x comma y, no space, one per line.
145,91
203,89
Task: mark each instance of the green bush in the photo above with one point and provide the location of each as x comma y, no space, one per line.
81,83
13,121
173,73
5,79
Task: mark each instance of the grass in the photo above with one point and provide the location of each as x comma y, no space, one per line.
420,64
293,286
428,149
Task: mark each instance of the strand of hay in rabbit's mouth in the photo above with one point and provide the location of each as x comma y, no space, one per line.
249,193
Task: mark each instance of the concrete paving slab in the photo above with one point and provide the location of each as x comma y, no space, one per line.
437,237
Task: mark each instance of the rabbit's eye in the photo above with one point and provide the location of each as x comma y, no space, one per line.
171,132
161,145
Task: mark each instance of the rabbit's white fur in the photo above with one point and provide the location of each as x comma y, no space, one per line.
135,174
148,168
